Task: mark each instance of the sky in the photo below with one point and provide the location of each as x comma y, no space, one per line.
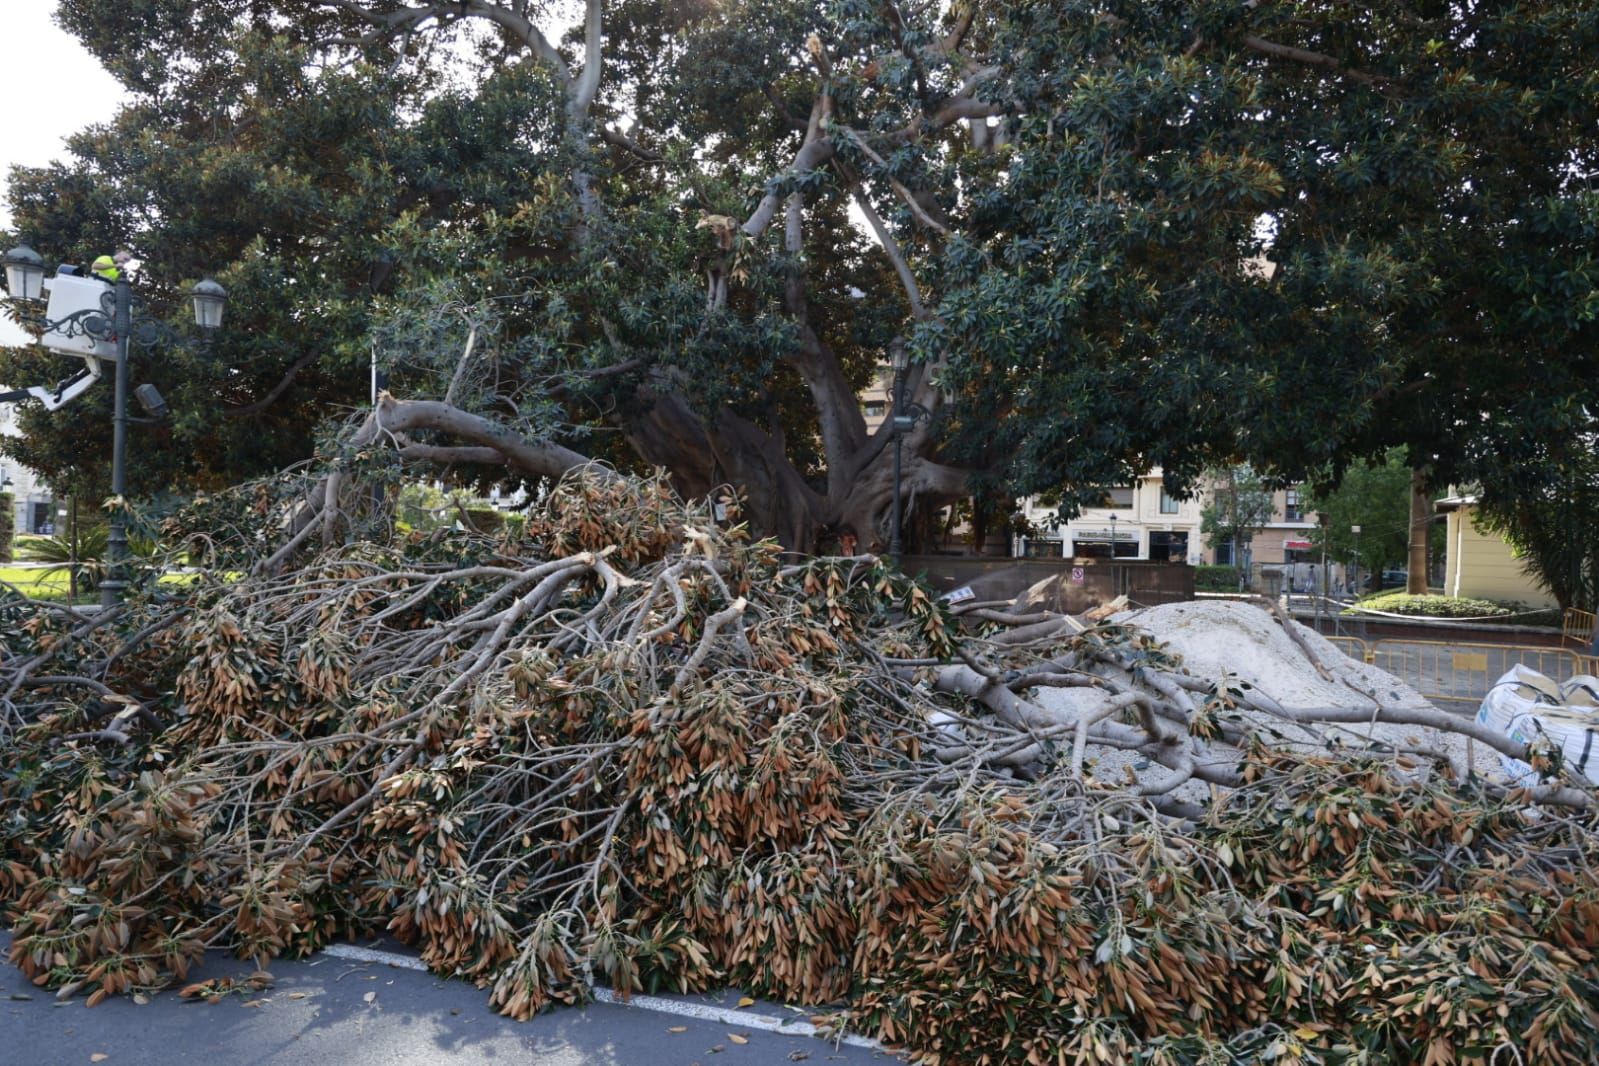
64,87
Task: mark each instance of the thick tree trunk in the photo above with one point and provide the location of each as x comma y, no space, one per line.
780,503
925,486
730,451
1420,530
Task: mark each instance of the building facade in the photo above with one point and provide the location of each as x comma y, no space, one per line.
32,505
1136,521
1286,539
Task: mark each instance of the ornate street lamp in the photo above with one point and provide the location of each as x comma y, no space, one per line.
209,300
24,273
92,318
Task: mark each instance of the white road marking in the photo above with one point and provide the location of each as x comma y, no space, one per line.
384,958
702,1011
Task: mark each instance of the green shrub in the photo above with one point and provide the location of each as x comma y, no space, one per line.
423,507
1216,579
1434,606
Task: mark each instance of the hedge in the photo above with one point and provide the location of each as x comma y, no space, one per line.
1216,578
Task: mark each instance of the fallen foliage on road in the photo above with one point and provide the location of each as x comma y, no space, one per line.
624,745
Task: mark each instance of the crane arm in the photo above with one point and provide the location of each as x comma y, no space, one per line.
64,392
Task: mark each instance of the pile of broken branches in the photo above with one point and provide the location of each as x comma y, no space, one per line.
624,745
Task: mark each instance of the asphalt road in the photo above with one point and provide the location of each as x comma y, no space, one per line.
328,1011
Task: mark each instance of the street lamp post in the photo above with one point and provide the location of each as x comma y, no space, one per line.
25,281
904,418
1113,535
1326,589
116,578
899,357
1355,531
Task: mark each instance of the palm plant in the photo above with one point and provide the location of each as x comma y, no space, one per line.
83,558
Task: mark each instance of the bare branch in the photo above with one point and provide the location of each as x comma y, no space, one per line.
617,139
257,406
899,187
530,457
913,291
460,366
964,14
404,19
588,83
1300,55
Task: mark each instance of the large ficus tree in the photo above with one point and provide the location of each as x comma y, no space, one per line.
1114,235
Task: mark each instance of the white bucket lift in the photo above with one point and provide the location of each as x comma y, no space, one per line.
70,296
81,297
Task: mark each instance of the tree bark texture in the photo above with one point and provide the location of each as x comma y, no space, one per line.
1420,530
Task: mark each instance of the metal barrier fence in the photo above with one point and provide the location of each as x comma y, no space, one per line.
1463,673
1353,647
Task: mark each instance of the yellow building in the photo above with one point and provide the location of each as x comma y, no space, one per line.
1481,565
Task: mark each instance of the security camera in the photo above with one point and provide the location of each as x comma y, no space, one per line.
151,400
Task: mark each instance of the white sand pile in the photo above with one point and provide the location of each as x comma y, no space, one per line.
1232,639
1243,645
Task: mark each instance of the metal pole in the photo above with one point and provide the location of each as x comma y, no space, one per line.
895,547
116,581
72,548
1357,566
1326,587
380,382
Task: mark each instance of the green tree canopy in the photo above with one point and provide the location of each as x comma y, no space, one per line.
1376,497
1238,504
1116,235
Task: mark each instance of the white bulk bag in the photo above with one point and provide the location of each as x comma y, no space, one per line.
1525,705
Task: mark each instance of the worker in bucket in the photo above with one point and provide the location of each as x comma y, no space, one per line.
108,268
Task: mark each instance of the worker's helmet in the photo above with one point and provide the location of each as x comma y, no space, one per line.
105,267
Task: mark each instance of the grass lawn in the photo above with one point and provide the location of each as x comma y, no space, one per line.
36,584
39,585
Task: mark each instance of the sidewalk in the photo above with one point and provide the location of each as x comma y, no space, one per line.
333,1010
